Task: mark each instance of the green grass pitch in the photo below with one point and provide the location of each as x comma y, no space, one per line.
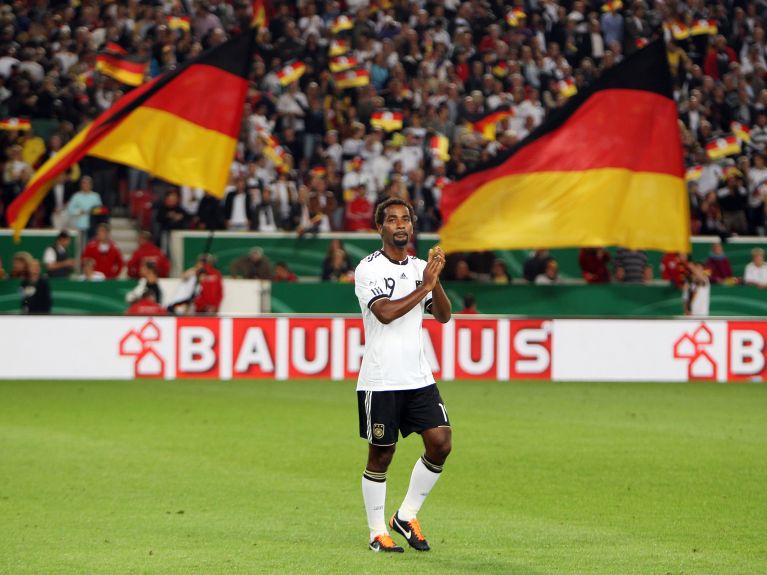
263,477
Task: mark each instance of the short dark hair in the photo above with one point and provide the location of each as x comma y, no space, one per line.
392,202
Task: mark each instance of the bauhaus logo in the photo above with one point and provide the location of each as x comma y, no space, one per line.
140,344
694,347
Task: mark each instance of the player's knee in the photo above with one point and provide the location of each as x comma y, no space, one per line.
438,450
380,458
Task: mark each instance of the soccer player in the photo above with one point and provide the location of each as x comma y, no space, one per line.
396,392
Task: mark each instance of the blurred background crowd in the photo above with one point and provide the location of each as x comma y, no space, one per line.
354,101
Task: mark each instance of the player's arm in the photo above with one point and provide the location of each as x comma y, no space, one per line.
440,307
387,310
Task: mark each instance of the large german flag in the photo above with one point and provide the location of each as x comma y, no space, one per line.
181,127
606,169
122,68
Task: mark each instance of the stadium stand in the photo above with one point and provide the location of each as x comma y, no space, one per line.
352,102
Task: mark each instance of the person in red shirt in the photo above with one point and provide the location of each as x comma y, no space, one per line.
718,266
593,262
719,58
673,267
147,305
106,254
282,273
211,292
148,251
359,211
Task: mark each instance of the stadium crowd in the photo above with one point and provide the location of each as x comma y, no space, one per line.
315,156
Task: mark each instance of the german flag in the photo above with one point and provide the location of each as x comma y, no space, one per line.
679,30
179,23
500,69
181,126
15,125
440,147
742,132
704,27
343,63
386,120
122,69
341,24
115,48
352,78
485,124
722,147
291,73
516,17
612,6
338,47
259,19
273,150
604,169
567,87
693,173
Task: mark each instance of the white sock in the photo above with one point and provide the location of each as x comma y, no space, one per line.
423,478
374,495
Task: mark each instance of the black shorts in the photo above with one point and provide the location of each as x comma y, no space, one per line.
384,414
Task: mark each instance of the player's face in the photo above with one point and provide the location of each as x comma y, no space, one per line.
397,226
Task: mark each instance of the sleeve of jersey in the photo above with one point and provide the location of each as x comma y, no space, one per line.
427,300
367,286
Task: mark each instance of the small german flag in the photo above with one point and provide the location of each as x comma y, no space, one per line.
122,69
115,48
704,27
500,69
181,127
440,147
352,78
485,124
258,18
641,42
693,173
516,17
387,120
273,150
567,87
742,132
723,147
318,172
291,73
679,30
343,63
15,124
577,179
338,47
179,23
731,172
341,23
612,6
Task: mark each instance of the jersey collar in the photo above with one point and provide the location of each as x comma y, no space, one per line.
395,262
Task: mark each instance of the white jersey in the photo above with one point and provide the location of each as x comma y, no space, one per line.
394,358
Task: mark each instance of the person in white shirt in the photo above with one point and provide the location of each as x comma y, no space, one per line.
696,291
396,391
756,270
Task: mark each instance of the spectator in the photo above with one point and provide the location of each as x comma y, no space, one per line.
756,270
148,282
90,274
255,265
171,216
20,265
58,262
733,198
359,211
499,274
209,213
718,265
35,291
696,291
673,267
82,205
630,266
536,265
550,275
105,253
337,268
282,273
593,263
266,214
146,305
469,304
147,251
238,206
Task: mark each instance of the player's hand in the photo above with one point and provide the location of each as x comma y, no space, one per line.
433,269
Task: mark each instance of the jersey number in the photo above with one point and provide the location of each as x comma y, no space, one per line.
389,282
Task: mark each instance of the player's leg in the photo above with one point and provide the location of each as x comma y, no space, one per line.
378,425
426,415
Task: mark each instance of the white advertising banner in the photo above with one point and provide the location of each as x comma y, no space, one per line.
40,347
